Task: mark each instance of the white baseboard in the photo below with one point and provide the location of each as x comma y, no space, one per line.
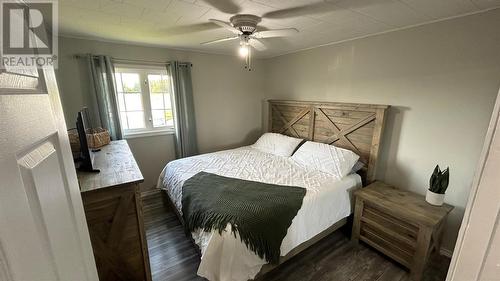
445,252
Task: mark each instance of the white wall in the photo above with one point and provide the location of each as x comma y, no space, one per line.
152,153
227,98
441,81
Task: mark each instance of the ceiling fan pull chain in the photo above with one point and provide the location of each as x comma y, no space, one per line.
249,58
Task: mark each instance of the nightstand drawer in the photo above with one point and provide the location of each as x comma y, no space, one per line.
405,230
387,244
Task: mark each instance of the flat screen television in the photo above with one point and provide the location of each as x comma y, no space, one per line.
84,162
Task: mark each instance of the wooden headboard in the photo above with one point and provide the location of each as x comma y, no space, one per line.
357,127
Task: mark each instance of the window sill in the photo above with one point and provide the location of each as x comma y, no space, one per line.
148,134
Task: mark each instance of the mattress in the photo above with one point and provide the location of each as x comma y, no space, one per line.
224,256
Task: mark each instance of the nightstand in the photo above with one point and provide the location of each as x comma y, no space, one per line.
400,224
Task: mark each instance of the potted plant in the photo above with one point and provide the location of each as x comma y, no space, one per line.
437,186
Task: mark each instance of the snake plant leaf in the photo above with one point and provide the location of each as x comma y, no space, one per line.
434,178
444,181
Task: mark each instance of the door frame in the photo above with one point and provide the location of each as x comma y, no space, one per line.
482,211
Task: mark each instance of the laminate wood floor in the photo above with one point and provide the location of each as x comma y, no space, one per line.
174,258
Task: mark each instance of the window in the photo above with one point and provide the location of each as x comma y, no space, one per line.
144,100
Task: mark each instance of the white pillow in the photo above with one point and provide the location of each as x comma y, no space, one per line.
326,158
277,144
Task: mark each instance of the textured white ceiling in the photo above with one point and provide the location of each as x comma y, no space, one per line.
184,23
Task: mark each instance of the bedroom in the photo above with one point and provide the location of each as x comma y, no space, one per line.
424,78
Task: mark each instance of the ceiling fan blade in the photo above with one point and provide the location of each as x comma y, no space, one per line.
275,33
304,10
226,25
228,7
220,40
257,44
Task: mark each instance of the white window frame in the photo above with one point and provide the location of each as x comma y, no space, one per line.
143,72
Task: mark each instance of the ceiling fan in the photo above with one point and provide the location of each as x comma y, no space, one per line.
244,27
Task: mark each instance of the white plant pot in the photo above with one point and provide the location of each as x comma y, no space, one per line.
435,199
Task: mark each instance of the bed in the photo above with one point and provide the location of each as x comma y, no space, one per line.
327,203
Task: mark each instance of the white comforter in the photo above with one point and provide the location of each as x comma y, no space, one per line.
226,258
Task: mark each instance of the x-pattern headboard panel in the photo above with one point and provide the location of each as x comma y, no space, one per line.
357,127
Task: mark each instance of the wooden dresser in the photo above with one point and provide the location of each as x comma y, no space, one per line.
113,209
400,224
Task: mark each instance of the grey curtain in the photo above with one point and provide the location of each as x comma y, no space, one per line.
184,117
104,107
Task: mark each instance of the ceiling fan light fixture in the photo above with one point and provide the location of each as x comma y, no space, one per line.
243,50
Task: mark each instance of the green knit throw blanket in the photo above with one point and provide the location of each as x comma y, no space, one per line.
260,213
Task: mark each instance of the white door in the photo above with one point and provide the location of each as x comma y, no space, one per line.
43,232
477,252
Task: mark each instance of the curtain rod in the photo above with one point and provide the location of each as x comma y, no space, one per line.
134,61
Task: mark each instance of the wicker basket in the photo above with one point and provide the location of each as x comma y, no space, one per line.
74,141
95,138
98,137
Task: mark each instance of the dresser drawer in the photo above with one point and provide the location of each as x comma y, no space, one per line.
387,244
404,230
